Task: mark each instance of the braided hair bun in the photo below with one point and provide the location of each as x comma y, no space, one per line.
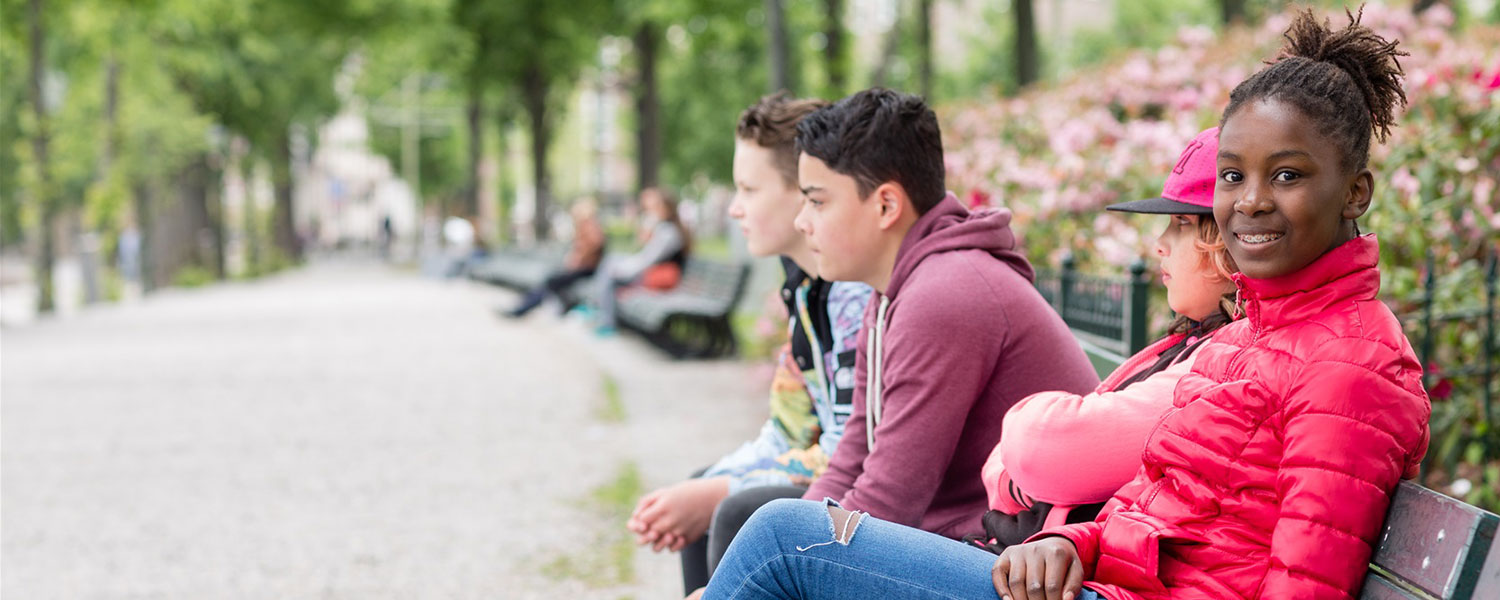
1347,80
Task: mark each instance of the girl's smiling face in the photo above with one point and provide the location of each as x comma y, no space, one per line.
1282,198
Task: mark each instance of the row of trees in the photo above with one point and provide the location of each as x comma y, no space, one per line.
130,107
128,114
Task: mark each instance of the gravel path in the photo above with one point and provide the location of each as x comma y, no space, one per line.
342,431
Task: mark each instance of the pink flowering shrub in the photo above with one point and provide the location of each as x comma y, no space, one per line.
1057,155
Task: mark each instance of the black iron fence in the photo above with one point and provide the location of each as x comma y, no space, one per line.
1453,331
1107,314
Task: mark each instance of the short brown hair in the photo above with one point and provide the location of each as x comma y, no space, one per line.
772,123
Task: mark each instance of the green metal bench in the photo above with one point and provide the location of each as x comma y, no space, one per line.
692,319
1434,547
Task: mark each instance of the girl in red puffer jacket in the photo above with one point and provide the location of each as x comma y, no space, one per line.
1271,475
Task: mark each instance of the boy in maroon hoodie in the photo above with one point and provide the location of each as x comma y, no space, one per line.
956,332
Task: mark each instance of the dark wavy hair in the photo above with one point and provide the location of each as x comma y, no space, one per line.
877,136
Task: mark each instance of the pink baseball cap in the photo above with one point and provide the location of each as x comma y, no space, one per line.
1190,186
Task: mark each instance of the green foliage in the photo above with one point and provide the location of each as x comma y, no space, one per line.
611,408
989,67
712,67
1137,24
257,67
12,101
193,276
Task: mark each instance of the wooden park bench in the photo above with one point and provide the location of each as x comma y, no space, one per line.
691,320
1434,547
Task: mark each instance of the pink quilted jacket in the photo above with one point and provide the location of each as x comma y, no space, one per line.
1270,476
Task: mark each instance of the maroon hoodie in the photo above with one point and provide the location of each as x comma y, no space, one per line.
962,335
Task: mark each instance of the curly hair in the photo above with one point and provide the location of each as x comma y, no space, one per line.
1348,81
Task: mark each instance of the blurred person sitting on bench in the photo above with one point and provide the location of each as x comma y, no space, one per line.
657,265
582,261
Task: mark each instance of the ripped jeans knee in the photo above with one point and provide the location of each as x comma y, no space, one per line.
841,525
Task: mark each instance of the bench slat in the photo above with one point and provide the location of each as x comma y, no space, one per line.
1489,575
1378,588
1433,542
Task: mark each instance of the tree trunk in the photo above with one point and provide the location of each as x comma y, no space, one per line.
503,179
90,255
251,216
833,47
146,224
39,142
284,225
470,206
781,76
924,47
1232,11
1026,47
534,88
648,107
196,183
215,205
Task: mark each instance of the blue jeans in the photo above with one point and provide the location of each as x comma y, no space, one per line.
787,550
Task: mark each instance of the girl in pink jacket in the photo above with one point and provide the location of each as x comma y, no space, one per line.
1271,474
1062,455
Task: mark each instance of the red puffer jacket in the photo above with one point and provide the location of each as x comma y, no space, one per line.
1270,476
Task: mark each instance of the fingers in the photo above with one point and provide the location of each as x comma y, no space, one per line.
647,538
1000,575
1036,574
1061,577
1038,571
639,520
1015,580
651,516
662,542
1073,583
645,501
1056,576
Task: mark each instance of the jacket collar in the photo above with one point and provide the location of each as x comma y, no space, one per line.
1346,273
795,278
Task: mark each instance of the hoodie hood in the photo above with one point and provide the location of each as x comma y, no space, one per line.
948,226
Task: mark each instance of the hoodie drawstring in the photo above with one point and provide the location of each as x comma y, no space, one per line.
874,355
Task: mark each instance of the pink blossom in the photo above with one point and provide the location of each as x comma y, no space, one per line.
978,198
1484,198
1403,181
1438,15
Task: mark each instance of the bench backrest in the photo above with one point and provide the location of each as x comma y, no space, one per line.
723,282
1433,546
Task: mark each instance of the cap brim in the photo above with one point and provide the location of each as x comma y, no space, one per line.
1160,206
